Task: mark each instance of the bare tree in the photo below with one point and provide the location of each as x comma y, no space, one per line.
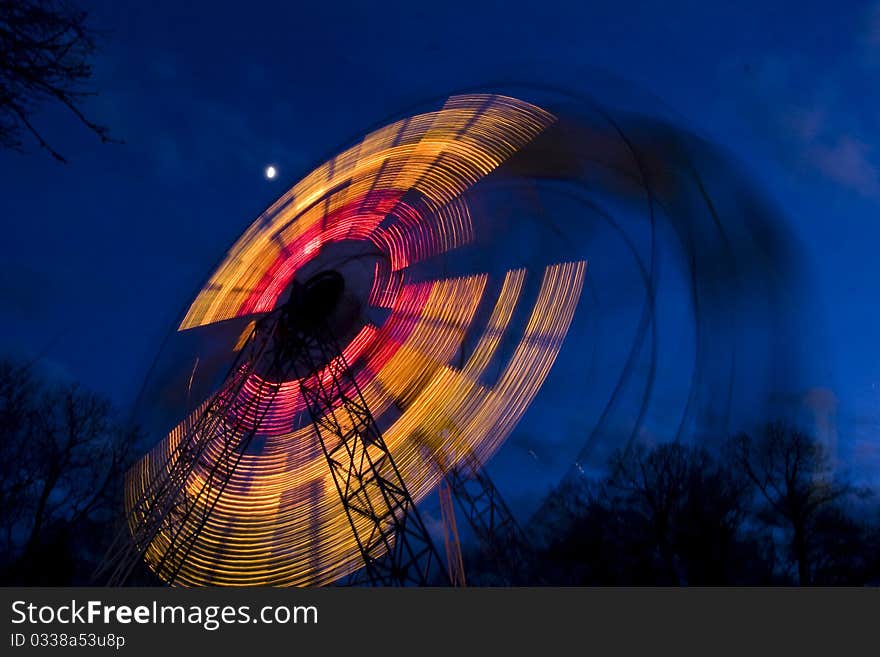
765,510
45,57
795,483
669,514
17,391
691,506
63,457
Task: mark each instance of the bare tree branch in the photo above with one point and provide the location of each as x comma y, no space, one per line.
45,57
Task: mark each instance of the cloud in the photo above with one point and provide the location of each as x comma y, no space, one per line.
815,104
846,162
810,110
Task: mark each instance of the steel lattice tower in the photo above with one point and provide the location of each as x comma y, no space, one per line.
395,545
292,343
166,506
491,520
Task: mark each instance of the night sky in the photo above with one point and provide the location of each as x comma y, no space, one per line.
99,256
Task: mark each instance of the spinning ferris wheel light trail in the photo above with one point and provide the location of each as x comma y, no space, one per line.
443,259
302,466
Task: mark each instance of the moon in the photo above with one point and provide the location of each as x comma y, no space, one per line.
271,172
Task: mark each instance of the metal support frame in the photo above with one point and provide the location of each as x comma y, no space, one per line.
500,535
391,537
452,543
465,480
169,504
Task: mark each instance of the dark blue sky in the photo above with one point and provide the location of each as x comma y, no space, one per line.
99,256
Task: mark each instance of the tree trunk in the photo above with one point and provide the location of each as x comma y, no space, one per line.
800,554
37,525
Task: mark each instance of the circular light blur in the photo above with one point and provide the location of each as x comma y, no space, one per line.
400,192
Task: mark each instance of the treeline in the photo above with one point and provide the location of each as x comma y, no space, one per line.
765,509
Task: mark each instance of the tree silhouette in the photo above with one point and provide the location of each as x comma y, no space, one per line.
63,456
671,514
795,485
675,514
690,505
45,57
